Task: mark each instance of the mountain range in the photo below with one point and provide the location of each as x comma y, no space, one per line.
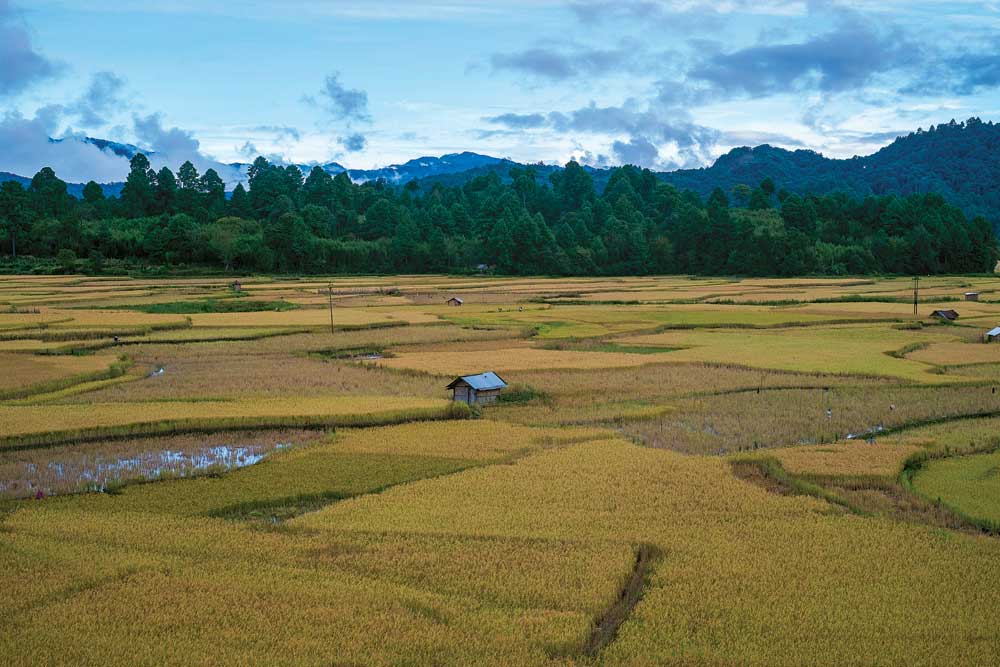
959,161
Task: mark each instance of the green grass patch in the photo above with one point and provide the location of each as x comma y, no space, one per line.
968,485
522,393
202,306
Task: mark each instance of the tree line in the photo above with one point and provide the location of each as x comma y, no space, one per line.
287,222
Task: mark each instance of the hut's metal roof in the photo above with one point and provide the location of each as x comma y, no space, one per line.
947,314
481,382
456,298
995,331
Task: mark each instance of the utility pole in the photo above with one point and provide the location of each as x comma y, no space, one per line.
916,294
330,291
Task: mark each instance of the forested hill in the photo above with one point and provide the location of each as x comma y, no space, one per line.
959,161
290,222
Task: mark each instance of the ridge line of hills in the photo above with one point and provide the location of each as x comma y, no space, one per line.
959,161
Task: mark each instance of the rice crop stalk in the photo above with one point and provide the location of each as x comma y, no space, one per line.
212,425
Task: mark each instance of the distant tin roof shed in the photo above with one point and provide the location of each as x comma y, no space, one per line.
455,299
945,314
993,333
482,382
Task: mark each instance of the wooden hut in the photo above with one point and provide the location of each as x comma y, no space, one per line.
972,296
477,389
455,301
992,335
949,315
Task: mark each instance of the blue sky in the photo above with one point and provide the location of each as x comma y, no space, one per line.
663,84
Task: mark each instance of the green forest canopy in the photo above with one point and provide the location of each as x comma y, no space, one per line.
284,222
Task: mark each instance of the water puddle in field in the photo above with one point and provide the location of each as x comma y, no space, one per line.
103,467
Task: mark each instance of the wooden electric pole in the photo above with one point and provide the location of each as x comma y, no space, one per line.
916,295
330,291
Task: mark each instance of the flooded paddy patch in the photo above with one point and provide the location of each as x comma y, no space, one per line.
105,466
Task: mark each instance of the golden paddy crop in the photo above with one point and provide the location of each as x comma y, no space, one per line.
500,540
23,371
71,318
956,354
290,318
510,359
573,321
862,350
736,572
220,582
883,458
349,463
24,420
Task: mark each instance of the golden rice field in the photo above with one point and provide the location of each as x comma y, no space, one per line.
860,350
507,359
682,471
855,457
23,371
134,416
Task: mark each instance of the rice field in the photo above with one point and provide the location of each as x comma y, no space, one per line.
857,350
69,420
22,372
268,490
508,359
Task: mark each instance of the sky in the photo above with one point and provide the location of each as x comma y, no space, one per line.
664,84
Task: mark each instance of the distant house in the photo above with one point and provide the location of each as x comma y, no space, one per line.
477,389
992,335
972,296
454,301
949,315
